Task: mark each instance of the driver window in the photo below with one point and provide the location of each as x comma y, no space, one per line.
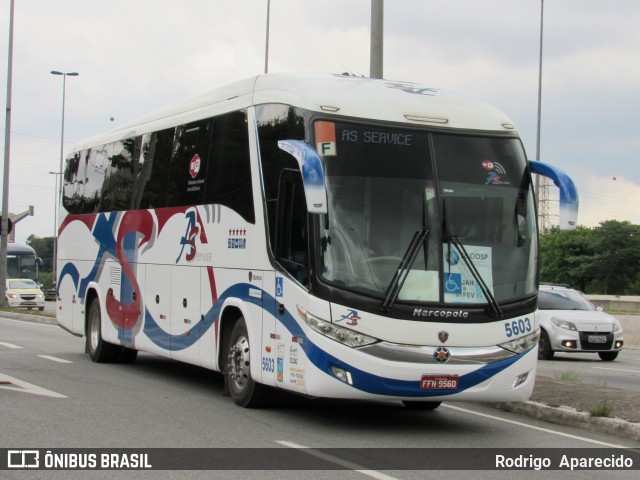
291,242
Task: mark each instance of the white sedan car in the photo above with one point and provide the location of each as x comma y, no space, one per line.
570,323
24,292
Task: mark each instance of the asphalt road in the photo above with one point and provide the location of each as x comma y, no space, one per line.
53,396
623,372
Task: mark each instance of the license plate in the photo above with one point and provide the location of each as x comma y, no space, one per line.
439,382
597,339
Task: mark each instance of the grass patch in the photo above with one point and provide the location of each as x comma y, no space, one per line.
568,376
603,409
28,312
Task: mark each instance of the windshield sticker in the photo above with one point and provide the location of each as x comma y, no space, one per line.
496,172
459,284
326,139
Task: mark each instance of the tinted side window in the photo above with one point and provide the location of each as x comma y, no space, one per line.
189,164
118,174
73,183
228,179
276,122
153,177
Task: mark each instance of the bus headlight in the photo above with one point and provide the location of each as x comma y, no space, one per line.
522,344
335,332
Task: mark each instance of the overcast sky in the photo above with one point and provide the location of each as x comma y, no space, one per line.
137,55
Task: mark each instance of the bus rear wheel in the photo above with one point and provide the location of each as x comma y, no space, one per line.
99,350
243,390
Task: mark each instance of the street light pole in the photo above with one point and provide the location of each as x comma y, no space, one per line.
59,184
55,228
4,221
541,186
377,39
266,48
540,81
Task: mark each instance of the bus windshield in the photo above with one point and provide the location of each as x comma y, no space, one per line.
385,184
21,263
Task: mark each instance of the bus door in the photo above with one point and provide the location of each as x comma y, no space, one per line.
290,282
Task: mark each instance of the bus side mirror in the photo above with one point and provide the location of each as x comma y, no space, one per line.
568,192
312,171
39,262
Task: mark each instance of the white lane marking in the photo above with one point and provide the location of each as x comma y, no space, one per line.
9,345
338,461
616,369
55,359
533,427
10,383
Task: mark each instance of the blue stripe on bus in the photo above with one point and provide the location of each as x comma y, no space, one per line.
364,381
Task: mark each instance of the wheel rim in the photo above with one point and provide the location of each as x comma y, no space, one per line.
239,361
94,330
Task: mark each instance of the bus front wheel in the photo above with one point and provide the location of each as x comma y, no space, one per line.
243,390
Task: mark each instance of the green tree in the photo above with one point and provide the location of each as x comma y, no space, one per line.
44,250
562,255
616,257
603,259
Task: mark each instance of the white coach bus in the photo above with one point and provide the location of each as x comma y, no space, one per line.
327,235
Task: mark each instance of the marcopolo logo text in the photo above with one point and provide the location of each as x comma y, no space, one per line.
425,312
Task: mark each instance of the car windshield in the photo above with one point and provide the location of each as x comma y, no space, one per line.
18,284
385,185
563,300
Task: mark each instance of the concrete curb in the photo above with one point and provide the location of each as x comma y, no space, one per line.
25,317
571,417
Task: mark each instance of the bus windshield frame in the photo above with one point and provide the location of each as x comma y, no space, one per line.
386,182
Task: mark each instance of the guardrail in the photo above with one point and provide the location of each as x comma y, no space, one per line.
630,329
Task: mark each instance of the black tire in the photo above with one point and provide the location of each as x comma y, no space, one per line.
41,308
415,405
608,356
544,347
99,350
127,355
243,390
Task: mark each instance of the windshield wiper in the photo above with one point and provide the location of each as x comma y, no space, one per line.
402,272
495,307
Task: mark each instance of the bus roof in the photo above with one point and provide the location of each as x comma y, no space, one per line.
14,248
350,96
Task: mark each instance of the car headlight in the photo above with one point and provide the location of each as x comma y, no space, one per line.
617,327
335,332
40,295
522,344
564,324
12,295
